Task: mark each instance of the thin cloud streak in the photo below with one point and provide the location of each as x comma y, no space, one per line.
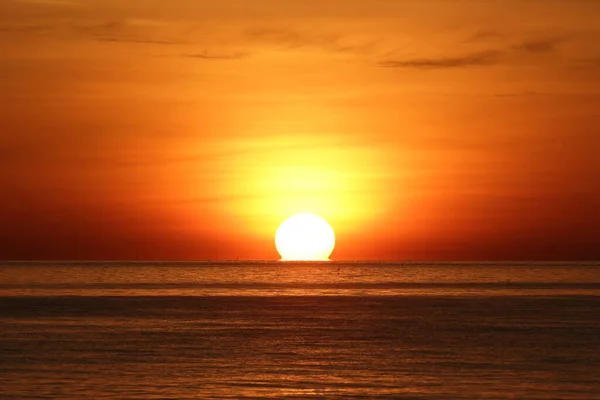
478,59
34,28
206,55
111,31
289,39
484,58
483,35
122,32
539,46
522,94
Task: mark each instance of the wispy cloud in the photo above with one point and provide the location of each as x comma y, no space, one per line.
138,40
526,48
595,62
292,39
528,93
30,28
483,35
538,46
122,32
590,63
206,55
483,58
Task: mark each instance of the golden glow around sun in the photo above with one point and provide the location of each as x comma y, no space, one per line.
305,237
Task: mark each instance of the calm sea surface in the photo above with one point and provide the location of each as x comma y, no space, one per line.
302,330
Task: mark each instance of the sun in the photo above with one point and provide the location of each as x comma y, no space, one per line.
305,237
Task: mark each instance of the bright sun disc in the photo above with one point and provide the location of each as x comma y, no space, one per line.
305,237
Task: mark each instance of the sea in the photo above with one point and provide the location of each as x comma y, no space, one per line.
325,330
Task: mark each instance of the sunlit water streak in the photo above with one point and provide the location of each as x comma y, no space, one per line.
231,330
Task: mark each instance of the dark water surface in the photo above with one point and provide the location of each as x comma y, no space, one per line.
353,330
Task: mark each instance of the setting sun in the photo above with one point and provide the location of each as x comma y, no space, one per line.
305,237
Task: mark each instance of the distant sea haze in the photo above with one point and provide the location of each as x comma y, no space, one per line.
134,330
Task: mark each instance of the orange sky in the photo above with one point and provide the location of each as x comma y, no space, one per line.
189,129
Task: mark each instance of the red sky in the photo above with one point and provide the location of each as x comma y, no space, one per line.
422,130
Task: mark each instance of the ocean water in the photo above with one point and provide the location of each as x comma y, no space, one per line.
299,330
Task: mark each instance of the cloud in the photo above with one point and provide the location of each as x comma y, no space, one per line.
483,35
538,46
589,64
483,58
206,55
123,32
527,93
138,40
593,62
527,48
33,28
292,39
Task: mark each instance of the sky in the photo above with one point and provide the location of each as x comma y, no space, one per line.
190,129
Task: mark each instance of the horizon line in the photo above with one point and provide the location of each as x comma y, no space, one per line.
258,261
